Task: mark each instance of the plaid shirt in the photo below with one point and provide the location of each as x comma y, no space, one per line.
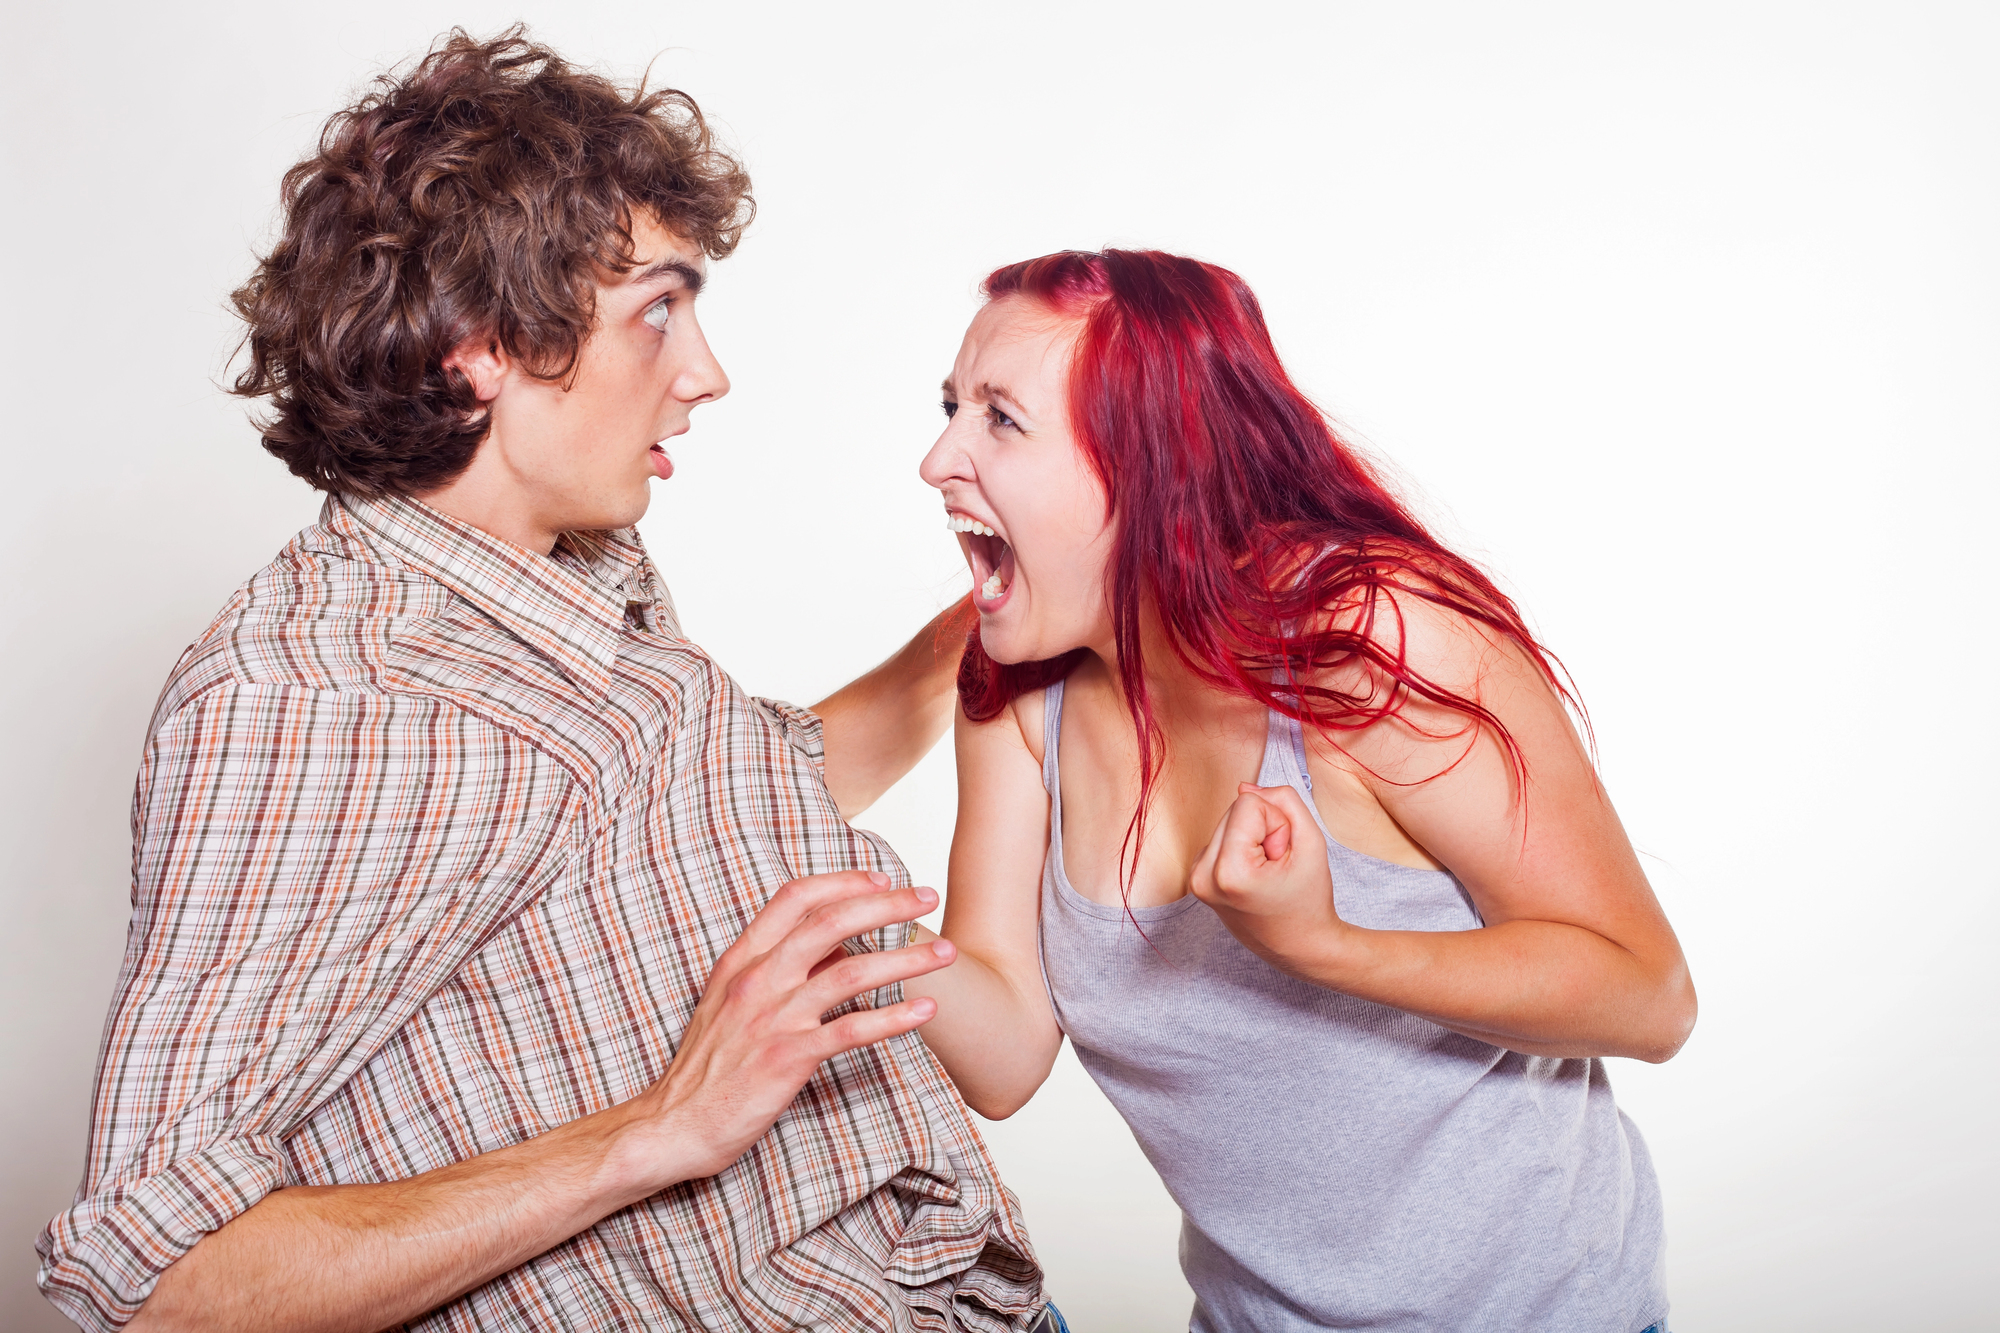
436,842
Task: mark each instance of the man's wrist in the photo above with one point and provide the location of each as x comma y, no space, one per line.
641,1149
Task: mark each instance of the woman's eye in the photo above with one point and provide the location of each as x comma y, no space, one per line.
950,409
657,313
1000,419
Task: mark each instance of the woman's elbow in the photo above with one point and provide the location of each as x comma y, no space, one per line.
1671,1019
991,1107
999,1099
1000,1092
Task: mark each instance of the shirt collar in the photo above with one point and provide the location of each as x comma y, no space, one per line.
569,607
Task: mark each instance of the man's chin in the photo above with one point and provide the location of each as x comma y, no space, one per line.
613,517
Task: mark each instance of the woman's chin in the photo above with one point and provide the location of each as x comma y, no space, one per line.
999,656
1002,647
1012,649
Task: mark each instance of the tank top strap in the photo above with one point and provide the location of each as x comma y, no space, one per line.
1285,764
1052,702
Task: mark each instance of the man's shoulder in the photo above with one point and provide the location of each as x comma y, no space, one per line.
323,615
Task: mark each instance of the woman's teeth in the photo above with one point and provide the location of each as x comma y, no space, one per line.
994,587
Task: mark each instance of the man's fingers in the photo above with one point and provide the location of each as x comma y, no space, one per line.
790,905
869,1026
861,973
832,956
790,960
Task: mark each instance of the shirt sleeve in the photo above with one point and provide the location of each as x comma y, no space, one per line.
798,727
309,868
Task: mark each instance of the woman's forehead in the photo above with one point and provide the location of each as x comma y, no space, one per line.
1022,337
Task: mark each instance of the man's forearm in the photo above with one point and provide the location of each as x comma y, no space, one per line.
357,1258
878,726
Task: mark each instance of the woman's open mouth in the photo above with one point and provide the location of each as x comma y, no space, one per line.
992,560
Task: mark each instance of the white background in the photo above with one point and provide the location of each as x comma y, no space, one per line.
1681,318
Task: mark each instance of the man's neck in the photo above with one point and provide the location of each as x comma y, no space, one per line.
489,496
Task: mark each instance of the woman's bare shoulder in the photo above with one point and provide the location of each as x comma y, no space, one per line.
1015,728
1415,615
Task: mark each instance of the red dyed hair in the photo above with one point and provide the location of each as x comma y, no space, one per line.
1240,513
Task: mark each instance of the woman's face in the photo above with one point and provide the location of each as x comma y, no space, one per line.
1028,510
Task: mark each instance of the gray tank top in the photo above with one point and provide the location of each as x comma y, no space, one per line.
1340,1164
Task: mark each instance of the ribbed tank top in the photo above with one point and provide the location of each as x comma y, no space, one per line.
1340,1164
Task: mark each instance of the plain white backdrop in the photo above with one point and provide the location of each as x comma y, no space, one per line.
1684,319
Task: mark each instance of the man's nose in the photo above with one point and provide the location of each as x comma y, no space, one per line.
703,379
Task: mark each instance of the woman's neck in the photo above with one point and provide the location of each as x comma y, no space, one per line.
1180,699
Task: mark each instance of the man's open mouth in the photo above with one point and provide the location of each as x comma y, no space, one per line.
992,559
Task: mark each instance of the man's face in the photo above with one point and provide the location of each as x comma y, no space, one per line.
578,453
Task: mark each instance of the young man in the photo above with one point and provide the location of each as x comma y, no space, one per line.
461,990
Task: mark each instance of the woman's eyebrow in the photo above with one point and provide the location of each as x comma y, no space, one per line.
990,391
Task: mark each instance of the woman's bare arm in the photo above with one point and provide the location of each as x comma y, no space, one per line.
879,725
1576,957
994,1031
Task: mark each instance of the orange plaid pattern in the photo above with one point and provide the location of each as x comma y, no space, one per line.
436,842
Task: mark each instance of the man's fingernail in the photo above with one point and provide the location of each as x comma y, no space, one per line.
926,896
880,880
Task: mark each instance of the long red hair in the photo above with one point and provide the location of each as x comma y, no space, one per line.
1241,515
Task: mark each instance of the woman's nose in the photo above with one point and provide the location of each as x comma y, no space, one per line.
945,463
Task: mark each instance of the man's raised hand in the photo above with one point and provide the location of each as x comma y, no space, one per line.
760,1030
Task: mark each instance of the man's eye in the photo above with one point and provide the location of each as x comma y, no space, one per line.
950,408
657,313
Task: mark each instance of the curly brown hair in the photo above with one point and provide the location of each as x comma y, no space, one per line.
487,189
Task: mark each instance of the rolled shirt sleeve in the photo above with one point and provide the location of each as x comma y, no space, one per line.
309,867
798,727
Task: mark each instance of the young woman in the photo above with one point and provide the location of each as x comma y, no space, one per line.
1356,1026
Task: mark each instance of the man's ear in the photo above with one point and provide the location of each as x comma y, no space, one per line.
484,362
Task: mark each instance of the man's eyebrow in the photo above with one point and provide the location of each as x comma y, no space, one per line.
690,276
